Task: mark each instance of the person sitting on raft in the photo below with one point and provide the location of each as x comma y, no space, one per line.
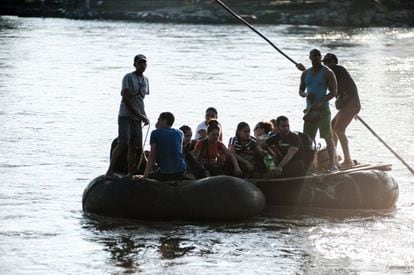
247,152
262,130
290,147
201,130
214,155
194,168
188,143
274,130
166,150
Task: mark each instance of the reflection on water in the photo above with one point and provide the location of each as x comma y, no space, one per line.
171,248
59,96
129,242
263,242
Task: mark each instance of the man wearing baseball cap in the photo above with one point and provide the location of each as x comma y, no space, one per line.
131,115
347,102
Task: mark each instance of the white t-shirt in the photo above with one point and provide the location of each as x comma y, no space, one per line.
138,87
202,126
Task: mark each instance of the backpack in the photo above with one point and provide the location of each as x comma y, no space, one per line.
309,149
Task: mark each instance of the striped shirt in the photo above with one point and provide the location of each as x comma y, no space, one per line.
239,147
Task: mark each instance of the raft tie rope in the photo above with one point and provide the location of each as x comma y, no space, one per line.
143,145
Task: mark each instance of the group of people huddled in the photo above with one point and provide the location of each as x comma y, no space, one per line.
245,155
273,151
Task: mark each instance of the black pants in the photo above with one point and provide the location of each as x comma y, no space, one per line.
194,167
216,170
294,169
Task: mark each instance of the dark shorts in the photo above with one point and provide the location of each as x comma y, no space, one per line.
323,124
129,131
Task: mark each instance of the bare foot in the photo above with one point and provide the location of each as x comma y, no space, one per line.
138,177
346,165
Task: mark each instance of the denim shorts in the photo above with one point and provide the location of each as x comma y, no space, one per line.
129,131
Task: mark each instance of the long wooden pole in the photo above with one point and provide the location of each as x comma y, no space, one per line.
294,62
385,144
256,31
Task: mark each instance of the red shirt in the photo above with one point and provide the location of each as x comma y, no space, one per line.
214,150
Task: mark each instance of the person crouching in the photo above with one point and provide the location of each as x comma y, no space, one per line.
214,155
290,147
166,150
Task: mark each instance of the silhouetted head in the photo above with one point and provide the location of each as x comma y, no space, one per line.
330,60
211,113
140,63
165,120
243,131
315,56
188,133
262,128
283,125
213,131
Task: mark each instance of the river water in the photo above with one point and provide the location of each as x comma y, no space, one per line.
59,94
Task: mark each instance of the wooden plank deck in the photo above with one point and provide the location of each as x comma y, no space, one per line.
358,167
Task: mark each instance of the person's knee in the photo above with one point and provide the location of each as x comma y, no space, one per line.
338,131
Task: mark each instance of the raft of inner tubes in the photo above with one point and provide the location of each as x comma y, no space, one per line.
225,198
364,189
220,198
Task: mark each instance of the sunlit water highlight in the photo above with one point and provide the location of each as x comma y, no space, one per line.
59,95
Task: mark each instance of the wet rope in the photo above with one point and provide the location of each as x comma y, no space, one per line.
143,146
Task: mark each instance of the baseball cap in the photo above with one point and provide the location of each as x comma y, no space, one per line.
139,57
330,56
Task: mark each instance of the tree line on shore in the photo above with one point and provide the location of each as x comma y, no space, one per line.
312,12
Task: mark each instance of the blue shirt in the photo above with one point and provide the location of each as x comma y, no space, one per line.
316,85
169,145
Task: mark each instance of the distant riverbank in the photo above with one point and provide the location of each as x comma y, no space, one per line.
350,13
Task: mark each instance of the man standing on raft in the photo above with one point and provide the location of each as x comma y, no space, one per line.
131,114
317,80
347,103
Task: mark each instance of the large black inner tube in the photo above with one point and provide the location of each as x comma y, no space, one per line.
220,198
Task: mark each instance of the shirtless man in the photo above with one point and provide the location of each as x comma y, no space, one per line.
347,103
